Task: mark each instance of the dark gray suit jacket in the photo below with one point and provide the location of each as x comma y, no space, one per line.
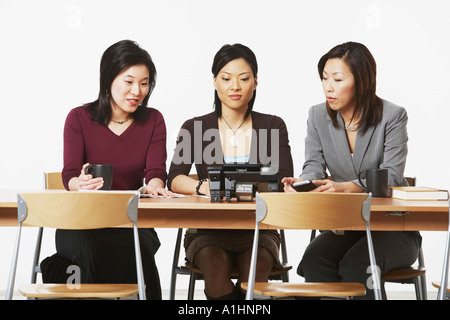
383,146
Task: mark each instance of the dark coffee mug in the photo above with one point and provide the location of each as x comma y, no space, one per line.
101,170
377,182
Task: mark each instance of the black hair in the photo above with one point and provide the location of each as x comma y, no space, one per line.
115,59
364,69
226,54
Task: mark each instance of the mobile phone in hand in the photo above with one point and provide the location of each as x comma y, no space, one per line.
304,186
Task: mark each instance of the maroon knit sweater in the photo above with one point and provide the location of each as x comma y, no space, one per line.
138,153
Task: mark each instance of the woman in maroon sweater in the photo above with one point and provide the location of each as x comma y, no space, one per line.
120,130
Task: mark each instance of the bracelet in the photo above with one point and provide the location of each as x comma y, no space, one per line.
198,186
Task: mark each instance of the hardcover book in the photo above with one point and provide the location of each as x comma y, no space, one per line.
419,193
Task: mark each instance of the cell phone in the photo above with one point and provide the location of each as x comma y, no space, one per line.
304,186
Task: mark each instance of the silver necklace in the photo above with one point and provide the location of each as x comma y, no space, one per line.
351,128
233,141
120,121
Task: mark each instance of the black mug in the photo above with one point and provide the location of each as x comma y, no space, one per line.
101,170
377,182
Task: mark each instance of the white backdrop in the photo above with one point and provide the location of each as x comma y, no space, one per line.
49,62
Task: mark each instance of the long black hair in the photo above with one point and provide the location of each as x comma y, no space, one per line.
226,54
364,69
115,59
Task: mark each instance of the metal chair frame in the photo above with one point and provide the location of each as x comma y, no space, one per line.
194,276
261,214
26,216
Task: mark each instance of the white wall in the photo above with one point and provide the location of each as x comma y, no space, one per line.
50,54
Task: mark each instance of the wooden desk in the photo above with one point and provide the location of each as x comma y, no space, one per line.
196,212
199,212
392,214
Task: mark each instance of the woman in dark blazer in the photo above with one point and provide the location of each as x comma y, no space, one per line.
352,131
232,133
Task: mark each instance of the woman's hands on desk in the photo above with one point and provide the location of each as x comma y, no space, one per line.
204,188
325,185
86,182
188,185
156,186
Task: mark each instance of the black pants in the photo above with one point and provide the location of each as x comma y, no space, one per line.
345,258
108,256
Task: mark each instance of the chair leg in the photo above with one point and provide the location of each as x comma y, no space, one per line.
442,293
192,279
423,286
12,273
418,288
251,276
284,258
139,269
313,235
37,253
176,256
173,284
422,278
373,266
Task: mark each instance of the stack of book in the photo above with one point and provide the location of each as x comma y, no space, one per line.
419,193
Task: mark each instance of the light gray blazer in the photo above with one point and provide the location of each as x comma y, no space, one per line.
383,146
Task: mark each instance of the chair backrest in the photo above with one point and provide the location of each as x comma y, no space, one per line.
78,210
53,181
412,181
313,210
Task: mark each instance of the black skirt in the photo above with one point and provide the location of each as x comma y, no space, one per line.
107,256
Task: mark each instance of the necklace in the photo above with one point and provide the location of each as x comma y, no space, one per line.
121,121
351,128
233,141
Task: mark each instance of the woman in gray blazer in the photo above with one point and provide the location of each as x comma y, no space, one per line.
352,131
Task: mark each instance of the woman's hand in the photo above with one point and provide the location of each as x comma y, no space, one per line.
204,188
288,182
327,185
156,187
85,181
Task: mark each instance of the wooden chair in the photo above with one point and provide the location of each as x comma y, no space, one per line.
410,275
414,274
52,181
78,210
312,210
195,273
442,294
444,290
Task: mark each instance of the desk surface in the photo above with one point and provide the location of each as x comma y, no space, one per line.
202,203
199,212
